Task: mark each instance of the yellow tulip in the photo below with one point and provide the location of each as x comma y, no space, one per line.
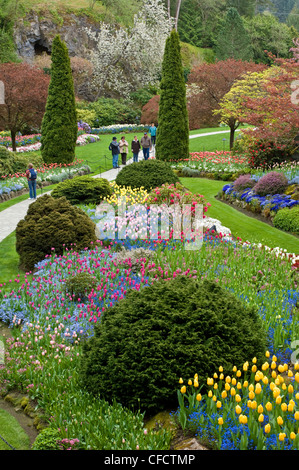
189,382
258,388
220,421
276,392
296,415
245,366
254,360
274,358
238,373
234,369
218,404
273,365
198,397
215,386
254,368
282,436
281,368
267,428
220,369
260,409
224,394
215,375
238,398
233,391
227,387
234,381
249,403
221,376
243,419
251,387
210,381
284,407
196,384
228,379
279,420
245,384
261,418
268,406
210,394
183,389
265,380
297,377
251,395
238,409
265,366
267,354
291,407
253,405
214,398
181,381
239,385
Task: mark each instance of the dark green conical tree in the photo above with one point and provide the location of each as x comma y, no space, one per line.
173,125
233,41
59,125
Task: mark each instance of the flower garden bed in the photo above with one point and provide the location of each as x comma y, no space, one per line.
49,327
12,186
261,205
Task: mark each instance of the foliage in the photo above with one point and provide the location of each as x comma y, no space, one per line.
108,111
126,59
146,174
150,111
59,125
173,134
243,182
233,40
26,89
47,439
51,224
6,166
287,219
165,331
271,183
208,84
266,33
263,154
83,190
80,285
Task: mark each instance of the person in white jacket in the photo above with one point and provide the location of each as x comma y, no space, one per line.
123,147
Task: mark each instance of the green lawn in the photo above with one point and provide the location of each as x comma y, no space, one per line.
12,432
241,225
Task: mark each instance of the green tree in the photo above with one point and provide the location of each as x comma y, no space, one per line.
173,124
233,41
268,34
293,18
59,125
244,7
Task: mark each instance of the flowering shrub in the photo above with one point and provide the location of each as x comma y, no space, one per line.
267,154
271,183
243,182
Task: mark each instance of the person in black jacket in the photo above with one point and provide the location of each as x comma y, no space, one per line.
114,147
135,147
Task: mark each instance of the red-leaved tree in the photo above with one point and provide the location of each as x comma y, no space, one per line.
208,83
25,96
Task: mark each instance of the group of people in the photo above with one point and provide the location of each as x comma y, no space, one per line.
122,147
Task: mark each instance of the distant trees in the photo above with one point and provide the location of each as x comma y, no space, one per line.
207,85
173,130
25,94
233,40
59,124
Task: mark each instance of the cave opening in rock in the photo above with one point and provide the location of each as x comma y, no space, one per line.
40,48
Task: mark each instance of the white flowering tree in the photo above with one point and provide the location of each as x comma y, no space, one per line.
127,59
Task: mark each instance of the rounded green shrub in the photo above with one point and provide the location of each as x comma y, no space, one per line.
52,224
165,331
6,162
287,219
83,190
147,174
80,285
47,439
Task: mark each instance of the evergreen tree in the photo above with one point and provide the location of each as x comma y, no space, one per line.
173,125
233,40
59,125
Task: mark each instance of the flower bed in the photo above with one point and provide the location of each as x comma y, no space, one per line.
14,185
49,326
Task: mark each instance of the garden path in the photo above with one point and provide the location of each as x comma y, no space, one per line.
10,217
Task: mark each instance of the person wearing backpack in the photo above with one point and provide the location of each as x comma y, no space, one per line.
31,178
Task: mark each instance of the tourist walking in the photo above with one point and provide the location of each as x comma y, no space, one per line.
135,147
114,147
123,147
31,178
153,133
146,145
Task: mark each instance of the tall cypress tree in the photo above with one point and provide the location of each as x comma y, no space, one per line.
173,125
233,41
59,125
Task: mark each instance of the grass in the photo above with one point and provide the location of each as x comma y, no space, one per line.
12,432
241,225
